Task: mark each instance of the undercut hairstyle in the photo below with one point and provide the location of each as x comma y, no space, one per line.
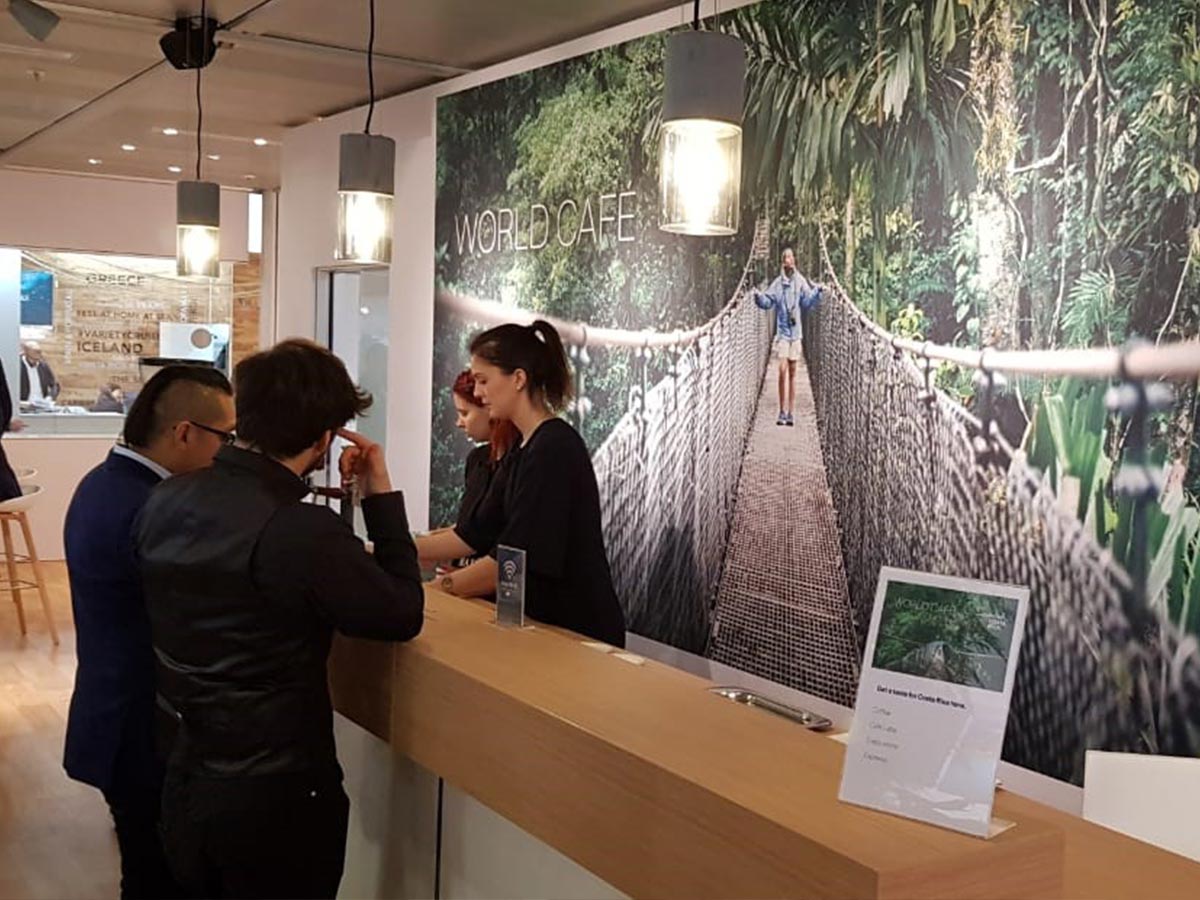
291,395
173,395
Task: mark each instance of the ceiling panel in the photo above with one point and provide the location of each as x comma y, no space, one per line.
465,33
99,81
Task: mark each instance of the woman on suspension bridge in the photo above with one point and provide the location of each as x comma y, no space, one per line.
490,439
788,295
546,501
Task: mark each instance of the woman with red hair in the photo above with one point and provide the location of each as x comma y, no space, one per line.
492,438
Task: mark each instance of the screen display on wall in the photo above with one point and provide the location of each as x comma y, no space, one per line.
37,297
736,417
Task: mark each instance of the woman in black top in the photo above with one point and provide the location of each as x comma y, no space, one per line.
472,577
473,421
545,501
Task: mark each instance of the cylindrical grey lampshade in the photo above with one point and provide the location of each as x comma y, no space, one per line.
367,162
700,159
366,171
198,228
705,77
198,203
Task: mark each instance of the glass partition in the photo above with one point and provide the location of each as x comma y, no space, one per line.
352,321
88,330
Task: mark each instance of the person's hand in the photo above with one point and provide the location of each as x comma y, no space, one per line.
16,425
363,462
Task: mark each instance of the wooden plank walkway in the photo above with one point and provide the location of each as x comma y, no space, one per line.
783,608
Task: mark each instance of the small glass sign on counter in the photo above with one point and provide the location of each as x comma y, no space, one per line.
510,587
933,698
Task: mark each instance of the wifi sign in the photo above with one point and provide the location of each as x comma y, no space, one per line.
510,588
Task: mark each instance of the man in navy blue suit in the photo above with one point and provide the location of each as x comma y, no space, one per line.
182,417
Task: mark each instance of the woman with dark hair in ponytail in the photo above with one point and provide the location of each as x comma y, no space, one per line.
549,505
492,439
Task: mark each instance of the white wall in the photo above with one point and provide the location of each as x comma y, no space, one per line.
104,215
61,463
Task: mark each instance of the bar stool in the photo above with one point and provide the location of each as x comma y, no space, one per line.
16,510
25,476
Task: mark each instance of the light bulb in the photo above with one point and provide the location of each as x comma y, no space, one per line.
701,168
364,226
197,249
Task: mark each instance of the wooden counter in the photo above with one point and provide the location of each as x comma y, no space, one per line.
662,789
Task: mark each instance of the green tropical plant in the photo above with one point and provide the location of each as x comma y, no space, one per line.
857,96
1094,312
1065,441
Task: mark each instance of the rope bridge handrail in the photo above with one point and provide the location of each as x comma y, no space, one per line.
1098,667
668,471
1179,360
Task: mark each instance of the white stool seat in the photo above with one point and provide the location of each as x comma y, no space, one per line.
24,476
29,496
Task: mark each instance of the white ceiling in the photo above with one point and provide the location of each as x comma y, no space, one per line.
100,81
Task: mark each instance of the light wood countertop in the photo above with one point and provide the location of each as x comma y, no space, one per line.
661,788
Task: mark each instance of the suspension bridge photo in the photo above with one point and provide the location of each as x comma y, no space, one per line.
768,541
999,200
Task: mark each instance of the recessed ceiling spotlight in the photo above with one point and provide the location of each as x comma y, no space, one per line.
94,162
128,148
260,142
170,132
214,156
249,177
174,169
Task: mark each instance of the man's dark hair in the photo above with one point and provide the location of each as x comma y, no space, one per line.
172,395
290,395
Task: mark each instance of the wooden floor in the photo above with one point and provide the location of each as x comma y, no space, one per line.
56,837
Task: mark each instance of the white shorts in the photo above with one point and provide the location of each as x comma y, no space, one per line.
785,349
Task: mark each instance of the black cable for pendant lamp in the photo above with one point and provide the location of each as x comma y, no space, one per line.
366,181
371,69
199,101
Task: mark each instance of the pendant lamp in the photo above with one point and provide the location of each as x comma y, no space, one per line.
198,204
700,161
366,172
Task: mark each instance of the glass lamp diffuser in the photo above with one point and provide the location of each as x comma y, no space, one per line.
198,228
366,169
700,163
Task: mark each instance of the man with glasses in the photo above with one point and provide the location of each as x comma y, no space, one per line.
179,421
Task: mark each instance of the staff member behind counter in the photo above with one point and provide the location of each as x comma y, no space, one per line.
544,500
472,576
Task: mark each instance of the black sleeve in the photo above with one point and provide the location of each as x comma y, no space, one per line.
477,475
362,595
480,529
6,407
539,508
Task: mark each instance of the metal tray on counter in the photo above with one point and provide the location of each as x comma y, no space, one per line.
803,717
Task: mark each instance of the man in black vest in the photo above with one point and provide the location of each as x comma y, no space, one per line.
245,584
